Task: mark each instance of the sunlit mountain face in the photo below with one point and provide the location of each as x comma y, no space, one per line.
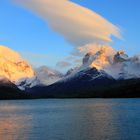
15,69
13,66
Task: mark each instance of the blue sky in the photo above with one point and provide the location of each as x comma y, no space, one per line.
28,34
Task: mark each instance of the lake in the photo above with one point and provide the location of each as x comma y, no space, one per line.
70,119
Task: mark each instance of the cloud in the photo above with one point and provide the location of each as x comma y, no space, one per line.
77,24
94,48
63,64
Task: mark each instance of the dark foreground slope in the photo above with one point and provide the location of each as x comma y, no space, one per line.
117,89
112,89
9,91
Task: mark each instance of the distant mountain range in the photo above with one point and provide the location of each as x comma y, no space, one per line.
95,79
88,83
100,76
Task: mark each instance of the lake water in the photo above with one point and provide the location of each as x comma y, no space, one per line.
70,119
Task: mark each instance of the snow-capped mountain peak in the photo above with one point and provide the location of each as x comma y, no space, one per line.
115,63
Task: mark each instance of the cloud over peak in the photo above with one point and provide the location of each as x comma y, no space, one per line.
77,24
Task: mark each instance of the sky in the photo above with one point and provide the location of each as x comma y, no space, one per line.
30,35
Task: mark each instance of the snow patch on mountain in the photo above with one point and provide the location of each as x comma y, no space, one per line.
25,83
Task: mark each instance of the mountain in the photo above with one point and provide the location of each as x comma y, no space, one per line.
103,74
43,76
116,63
75,80
89,83
18,71
100,75
48,76
13,66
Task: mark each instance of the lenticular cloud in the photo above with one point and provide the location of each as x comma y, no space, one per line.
78,25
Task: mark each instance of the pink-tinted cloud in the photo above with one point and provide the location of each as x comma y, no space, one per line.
77,24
